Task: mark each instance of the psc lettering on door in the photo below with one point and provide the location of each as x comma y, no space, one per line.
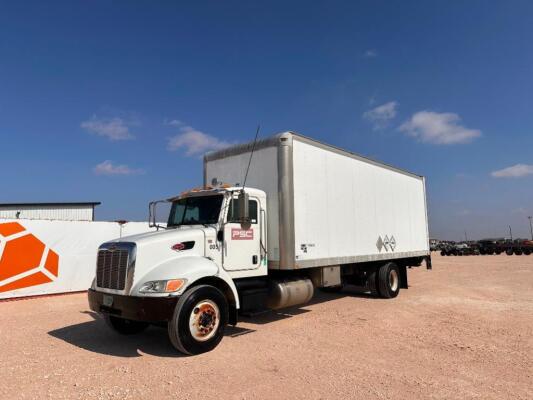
242,234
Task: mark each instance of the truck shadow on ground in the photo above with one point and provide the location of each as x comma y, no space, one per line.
97,337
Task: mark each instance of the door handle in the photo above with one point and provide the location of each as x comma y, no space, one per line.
254,260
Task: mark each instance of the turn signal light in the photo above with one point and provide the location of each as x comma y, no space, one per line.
174,285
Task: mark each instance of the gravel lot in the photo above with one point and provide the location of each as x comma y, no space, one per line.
462,331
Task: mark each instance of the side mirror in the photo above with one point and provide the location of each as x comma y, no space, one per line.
151,214
244,212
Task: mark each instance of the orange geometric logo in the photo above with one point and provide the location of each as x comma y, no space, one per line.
24,260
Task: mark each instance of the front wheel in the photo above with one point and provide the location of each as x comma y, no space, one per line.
125,326
199,320
389,280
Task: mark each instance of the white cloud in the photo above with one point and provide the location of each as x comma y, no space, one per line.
112,128
193,141
438,128
516,171
381,115
174,122
370,53
108,168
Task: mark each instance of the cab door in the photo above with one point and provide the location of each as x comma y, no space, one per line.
241,250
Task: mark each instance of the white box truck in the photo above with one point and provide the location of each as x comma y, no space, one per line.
308,216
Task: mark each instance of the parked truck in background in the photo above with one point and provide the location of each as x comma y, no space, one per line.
310,216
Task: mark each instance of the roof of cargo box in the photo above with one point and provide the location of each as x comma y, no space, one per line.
275,139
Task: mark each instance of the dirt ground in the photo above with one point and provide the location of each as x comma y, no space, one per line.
462,331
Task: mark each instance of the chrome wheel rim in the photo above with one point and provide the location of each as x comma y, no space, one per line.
204,320
393,280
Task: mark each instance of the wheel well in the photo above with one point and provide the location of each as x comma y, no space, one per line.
221,285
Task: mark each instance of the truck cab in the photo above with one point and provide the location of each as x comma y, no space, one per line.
213,237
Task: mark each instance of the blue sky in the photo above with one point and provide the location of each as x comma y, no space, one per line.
114,101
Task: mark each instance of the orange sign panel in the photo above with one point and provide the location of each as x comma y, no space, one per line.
24,260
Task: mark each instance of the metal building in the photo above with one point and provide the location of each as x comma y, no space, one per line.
52,211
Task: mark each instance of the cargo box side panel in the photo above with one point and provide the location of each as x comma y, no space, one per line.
263,175
349,210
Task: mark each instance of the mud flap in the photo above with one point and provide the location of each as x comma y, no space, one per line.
403,277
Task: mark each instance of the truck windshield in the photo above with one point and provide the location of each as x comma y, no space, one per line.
195,210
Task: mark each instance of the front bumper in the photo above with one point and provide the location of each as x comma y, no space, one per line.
148,309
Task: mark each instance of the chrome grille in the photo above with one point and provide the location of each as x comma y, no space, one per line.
112,268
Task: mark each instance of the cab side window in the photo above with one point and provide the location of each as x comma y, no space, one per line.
234,211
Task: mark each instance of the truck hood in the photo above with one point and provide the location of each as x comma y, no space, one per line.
174,235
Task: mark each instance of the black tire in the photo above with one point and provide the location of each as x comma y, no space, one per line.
509,252
518,252
389,280
179,330
527,252
443,253
125,326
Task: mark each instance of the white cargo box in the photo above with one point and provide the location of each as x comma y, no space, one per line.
328,206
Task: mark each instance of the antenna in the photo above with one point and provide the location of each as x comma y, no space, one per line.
251,155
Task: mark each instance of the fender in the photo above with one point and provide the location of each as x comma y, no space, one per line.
191,268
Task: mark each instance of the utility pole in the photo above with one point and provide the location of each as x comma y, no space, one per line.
466,237
511,233
530,226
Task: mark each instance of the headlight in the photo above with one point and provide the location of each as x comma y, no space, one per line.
169,286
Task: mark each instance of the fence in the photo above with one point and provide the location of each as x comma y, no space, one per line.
45,257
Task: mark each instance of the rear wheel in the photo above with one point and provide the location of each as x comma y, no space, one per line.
527,252
518,252
509,252
389,280
125,326
199,320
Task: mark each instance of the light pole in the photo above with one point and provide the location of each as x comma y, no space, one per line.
511,233
530,226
